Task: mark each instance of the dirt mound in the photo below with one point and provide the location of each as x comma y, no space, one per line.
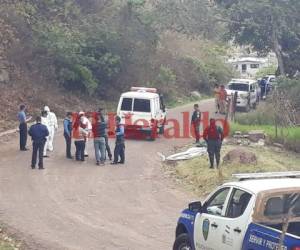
240,155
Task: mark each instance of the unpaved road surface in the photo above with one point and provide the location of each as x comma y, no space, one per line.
72,205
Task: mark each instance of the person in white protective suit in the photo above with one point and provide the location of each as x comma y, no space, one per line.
85,121
45,121
52,121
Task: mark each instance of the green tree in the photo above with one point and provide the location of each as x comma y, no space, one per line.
266,25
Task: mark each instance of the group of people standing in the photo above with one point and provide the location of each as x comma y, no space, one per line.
77,127
213,136
220,99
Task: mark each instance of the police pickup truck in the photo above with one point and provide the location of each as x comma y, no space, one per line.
259,211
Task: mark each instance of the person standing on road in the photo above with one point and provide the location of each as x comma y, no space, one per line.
107,147
80,140
120,143
223,100
88,125
38,133
23,127
217,97
213,135
99,132
53,126
45,121
196,119
263,88
68,134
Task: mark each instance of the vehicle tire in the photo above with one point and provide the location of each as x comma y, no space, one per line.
161,129
254,105
182,242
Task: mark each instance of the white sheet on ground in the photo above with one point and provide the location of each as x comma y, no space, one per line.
188,154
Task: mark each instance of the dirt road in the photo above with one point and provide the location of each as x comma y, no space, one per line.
72,205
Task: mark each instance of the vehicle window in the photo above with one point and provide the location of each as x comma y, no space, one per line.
273,80
142,105
274,206
238,203
278,206
254,66
238,86
126,104
244,67
215,204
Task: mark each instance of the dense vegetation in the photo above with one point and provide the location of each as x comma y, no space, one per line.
266,25
102,47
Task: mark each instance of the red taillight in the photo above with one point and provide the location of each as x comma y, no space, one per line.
296,248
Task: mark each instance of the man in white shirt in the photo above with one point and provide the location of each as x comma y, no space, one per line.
87,123
52,122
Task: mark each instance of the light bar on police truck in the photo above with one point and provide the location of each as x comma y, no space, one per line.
143,89
270,175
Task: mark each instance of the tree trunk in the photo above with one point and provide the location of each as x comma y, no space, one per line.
277,50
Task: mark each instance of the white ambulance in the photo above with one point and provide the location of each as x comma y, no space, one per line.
142,111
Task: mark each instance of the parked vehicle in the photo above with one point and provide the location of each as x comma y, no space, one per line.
142,111
247,91
271,83
249,214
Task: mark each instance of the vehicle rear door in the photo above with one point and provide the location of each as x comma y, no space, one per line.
125,109
142,111
236,220
207,230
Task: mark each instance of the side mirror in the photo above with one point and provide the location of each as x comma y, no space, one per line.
195,206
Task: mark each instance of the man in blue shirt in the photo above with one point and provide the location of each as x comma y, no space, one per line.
120,143
68,134
23,127
38,133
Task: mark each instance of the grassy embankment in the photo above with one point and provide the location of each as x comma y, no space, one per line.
200,179
197,177
7,243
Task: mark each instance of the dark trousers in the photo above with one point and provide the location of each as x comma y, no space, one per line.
68,140
214,149
80,147
38,150
107,148
197,132
119,152
23,135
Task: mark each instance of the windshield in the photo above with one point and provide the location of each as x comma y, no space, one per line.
142,105
238,87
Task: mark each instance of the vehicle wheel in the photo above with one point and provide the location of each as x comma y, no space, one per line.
254,105
162,130
182,242
151,136
247,108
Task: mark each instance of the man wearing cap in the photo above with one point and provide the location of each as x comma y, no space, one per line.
120,143
53,125
38,133
88,125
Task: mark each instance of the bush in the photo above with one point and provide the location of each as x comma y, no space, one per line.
263,115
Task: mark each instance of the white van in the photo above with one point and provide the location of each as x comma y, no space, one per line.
247,91
142,110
